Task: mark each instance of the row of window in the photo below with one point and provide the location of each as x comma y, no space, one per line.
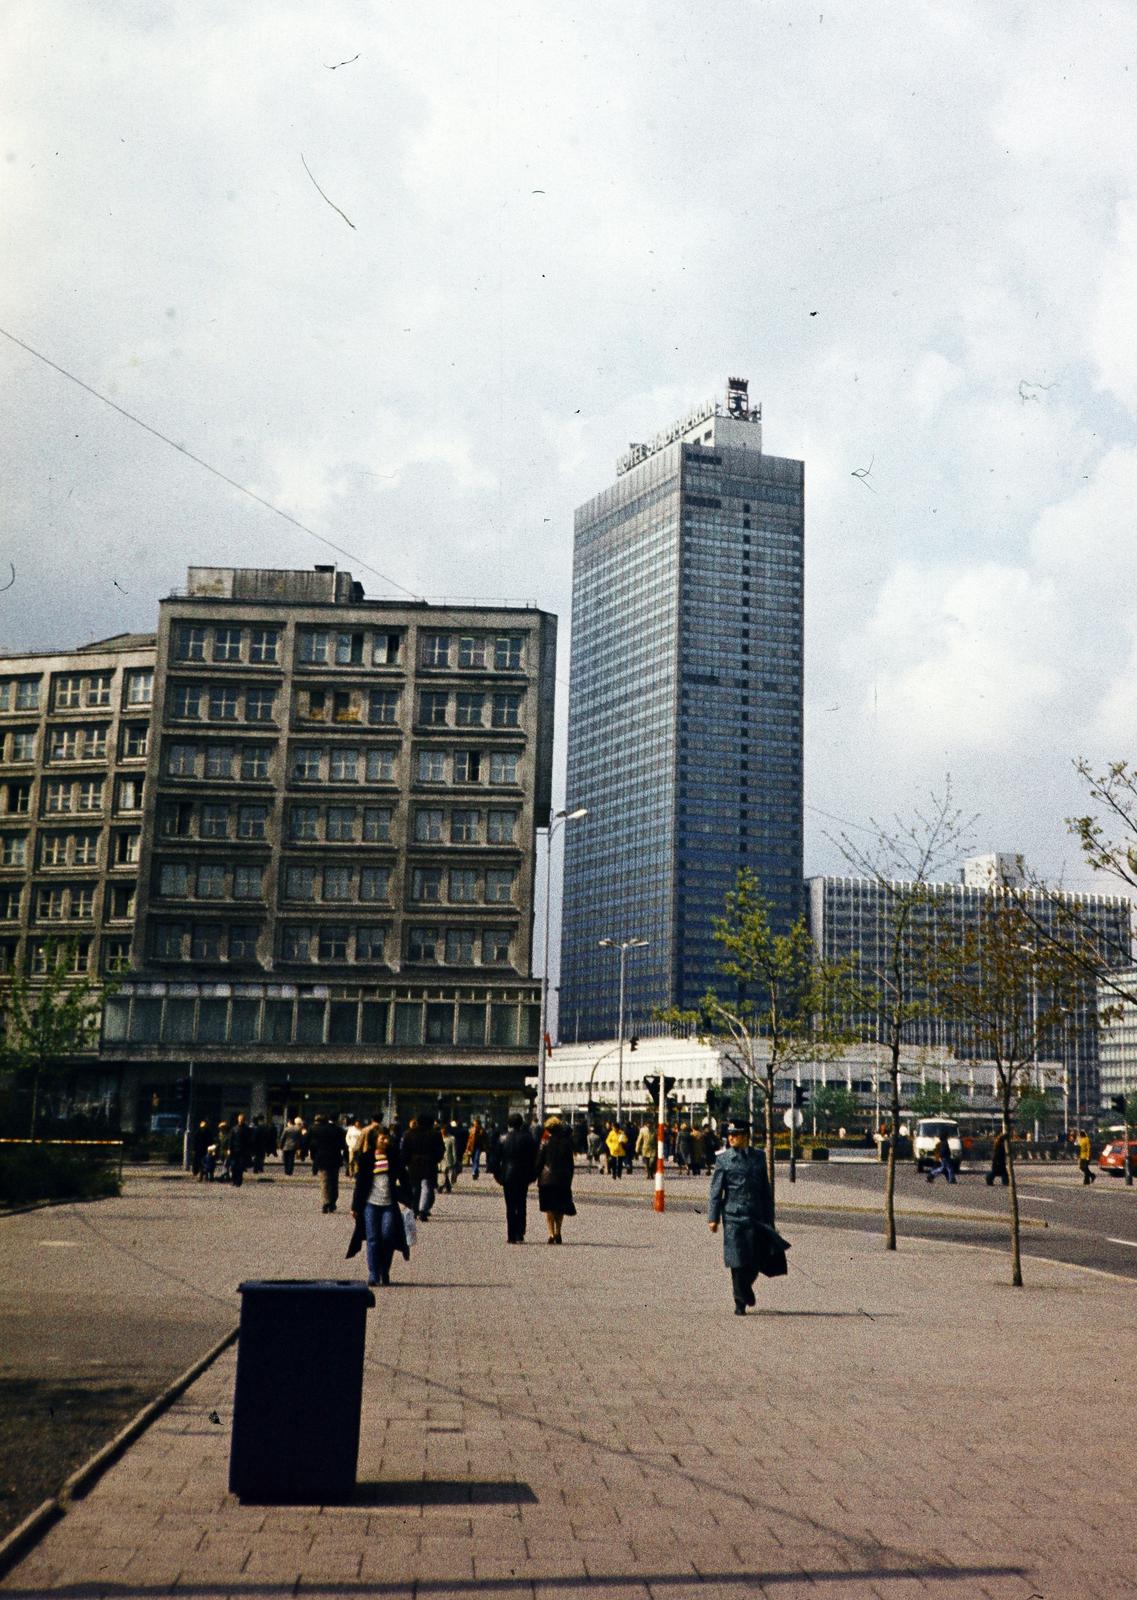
77,690
260,646
339,764
437,708
80,743
67,902
60,796
70,849
331,941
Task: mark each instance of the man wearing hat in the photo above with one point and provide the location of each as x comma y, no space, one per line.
742,1202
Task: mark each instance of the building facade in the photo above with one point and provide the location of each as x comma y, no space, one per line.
851,919
327,870
1118,1043
685,712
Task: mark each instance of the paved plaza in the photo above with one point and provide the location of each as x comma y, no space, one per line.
543,1422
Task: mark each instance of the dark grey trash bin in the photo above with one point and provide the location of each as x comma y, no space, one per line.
299,1391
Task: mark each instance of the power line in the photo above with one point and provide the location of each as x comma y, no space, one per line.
356,561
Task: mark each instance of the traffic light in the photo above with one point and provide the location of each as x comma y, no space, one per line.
799,1094
712,1099
634,1042
1119,1104
652,1086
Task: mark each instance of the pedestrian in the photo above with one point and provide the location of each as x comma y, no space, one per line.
645,1147
697,1156
554,1174
259,1139
741,1200
476,1146
945,1164
617,1142
594,1147
1085,1151
201,1143
513,1160
375,1204
240,1150
999,1160
683,1149
290,1142
328,1149
353,1134
711,1144
209,1163
222,1151
450,1161
422,1152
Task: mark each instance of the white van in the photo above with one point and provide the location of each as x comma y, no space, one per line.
926,1142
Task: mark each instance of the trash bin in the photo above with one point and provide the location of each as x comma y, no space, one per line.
299,1390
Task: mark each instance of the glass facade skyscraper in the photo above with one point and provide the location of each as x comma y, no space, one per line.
685,713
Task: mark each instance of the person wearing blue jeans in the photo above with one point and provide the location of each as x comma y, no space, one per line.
946,1165
375,1202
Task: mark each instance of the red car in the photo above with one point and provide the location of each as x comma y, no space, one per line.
1112,1158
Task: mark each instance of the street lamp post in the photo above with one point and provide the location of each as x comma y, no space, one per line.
623,946
558,819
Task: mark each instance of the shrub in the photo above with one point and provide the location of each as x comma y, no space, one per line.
46,1172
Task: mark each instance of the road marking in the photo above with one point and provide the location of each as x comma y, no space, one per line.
1039,1199
1132,1243
59,1244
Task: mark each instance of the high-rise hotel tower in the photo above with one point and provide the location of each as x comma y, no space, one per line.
685,716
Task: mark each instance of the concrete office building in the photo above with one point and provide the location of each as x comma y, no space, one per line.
851,918
685,713
335,855
1118,1043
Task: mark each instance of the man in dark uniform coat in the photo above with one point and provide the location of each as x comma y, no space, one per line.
742,1202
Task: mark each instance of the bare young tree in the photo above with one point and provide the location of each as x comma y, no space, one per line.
903,859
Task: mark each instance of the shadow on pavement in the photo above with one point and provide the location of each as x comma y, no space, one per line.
442,1492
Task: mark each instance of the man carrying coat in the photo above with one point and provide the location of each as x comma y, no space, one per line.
741,1200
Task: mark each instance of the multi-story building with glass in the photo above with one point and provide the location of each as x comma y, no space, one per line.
74,737
685,713
1118,1043
852,919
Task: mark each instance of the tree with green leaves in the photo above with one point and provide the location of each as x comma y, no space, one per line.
833,1105
778,1016
903,859
1011,988
49,1018
934,1100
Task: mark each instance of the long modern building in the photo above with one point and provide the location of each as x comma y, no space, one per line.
323,885
685,713
851,919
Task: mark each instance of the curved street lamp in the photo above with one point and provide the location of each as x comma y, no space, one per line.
623,946
556,820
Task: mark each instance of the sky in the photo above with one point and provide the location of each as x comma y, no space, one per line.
417,274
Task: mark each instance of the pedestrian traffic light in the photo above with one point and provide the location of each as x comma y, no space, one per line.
799,1094
634,1042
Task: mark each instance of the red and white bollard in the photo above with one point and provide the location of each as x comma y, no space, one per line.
657,1200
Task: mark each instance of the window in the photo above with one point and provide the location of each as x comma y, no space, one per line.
464,827
135,740
248,883
460,947
189,643
87,848
19,799
384,649
370,943
181,760
500,827
439,1024
408,1020
316,705
300,883
341,824
89,794
23,745
185,702
116,954
499,885
10,904
68,693
383,707
56,797
176,821
52,850
129,795
333,942
226,644
463,885
99,690
39,959
252,822
82,903
122,902
243,941
344,765
214,821
507,653
126,847
313,646
435,650
211,881
431,767
467,766
205,941
305,762
469,710
95,744
345,705
169,941
495,947
27,694
428,826
349,649
506,711
173,879
51,905
219,760
63,744
422,944
302,822
139,686
432,708
374,883
377,824
503,766
381,766
426,885
13,849
472,652
337,883
259,704
254,763
223,703
471,1024
264,646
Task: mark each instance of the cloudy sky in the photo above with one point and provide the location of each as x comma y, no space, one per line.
546,229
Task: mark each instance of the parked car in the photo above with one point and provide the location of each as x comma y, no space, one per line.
167,1122
1112,1158
925,1144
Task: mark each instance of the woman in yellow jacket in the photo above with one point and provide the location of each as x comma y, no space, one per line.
617,1142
